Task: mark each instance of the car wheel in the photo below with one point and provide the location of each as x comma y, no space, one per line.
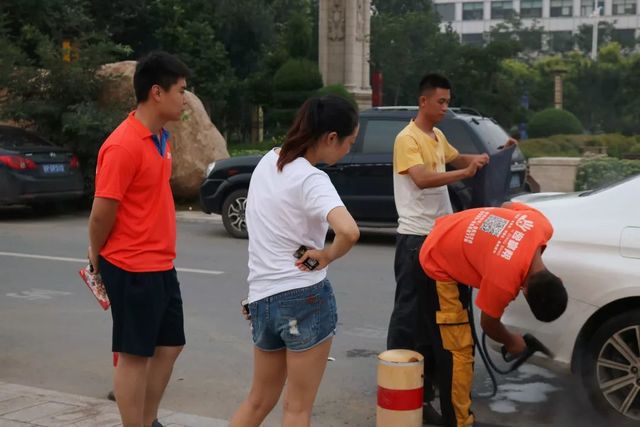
233,210
611,368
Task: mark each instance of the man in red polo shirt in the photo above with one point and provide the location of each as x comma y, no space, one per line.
132,232
499,252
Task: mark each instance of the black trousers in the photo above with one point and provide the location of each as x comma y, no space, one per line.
409,324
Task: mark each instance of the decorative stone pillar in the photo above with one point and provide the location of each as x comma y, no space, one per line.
344,28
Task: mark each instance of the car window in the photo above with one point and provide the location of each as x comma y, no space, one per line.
379,135
459,135
492,134
17,138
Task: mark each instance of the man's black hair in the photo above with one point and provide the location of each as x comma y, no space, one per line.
546,296
157,68
433,81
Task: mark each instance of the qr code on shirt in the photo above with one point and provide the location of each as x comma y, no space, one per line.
494,225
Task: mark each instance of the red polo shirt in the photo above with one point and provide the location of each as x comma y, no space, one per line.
487,248
132,171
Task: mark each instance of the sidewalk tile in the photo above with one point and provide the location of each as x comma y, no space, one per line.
65,418
18,403
6,396
7,423
39,411
192,421
24,406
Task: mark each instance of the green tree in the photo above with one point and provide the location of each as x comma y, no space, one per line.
297,35
246,28
476,80
584,37
526,41
404,47
58,99
185,29
400,7
594,90
127,22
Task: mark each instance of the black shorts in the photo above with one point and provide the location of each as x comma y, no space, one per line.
146,309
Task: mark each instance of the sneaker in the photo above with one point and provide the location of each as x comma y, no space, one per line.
156,423
430,416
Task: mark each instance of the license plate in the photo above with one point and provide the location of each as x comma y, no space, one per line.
515,181
53,168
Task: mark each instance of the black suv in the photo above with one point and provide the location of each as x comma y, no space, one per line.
363,178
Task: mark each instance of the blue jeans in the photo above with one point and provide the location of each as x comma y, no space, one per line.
297,320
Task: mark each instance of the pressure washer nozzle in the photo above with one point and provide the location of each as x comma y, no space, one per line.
534,344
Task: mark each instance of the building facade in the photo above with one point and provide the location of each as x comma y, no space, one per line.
473,19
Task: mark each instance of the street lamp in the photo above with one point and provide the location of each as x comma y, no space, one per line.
596,19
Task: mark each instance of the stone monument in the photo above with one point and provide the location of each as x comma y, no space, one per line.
344,28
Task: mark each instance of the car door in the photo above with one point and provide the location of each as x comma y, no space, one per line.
339,179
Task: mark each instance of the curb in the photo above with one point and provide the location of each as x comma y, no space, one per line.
197,217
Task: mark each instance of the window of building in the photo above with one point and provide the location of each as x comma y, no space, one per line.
561,41
531,9
624,7
473,38
501,9
626,38
446,11
561,8
472,11
586,7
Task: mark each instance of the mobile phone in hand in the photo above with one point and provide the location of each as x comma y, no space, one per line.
310,263
245,308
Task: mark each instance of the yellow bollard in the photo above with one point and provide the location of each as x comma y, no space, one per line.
400,389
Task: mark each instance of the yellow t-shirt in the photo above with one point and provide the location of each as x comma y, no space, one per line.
418,208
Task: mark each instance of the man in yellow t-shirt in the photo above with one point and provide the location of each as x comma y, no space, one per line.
420,155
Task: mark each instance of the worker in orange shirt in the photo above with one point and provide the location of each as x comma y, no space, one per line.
499,252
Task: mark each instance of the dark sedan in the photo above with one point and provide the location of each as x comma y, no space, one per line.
33,171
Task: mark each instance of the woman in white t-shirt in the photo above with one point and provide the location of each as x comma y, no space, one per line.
290,204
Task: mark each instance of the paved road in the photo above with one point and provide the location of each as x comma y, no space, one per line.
55,336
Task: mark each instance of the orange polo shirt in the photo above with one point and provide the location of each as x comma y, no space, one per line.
487,248
132,171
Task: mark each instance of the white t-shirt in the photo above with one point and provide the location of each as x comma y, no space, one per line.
285,210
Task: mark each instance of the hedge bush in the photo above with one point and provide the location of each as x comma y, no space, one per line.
297,75
236,150
553,121
294,82
616,145
338,90
598,172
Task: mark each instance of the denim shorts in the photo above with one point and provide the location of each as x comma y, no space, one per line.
297,320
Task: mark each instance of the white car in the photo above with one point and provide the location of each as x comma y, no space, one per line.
595,249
